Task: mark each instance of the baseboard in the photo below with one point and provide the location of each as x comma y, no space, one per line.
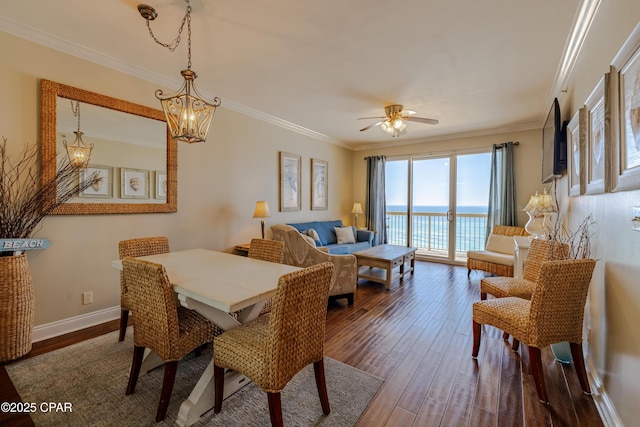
601,399
61,327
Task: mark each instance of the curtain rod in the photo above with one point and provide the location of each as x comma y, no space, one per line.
502,145
414,154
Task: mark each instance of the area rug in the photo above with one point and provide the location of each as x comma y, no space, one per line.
87,381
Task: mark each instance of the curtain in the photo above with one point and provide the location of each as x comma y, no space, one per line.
375,205
502,191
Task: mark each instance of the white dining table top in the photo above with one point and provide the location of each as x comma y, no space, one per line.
225,281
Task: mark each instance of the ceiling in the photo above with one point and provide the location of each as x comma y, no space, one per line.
479,67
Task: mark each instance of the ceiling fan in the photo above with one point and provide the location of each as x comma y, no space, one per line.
395,120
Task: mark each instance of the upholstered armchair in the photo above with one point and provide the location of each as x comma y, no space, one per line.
301,252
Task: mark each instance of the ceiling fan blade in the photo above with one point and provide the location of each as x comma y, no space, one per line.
422,120
378,117
370,126
406,112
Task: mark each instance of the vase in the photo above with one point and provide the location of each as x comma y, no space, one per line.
17,307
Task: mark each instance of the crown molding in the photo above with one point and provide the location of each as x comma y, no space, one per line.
62,45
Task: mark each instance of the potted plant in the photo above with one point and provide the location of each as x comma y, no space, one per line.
24,203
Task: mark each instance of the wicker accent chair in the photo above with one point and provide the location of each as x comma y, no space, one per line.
301,253
170,330
266,250
539,252
136,248
554,314
271,349
497,263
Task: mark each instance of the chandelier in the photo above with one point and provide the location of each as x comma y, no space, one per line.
78,152
188,114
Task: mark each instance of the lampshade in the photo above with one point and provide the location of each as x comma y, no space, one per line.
357,208
540,204
262,210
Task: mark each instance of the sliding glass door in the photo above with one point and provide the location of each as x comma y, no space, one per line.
438,204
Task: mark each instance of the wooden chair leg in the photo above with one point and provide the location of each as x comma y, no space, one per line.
578,362
136,363
275,409
218,386
477,331
535,358
516,344
350,299
169,378
318,368
483,296
124,319
505,336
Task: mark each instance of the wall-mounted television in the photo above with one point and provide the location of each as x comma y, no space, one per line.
554,145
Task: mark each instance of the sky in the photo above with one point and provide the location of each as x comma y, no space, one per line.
431,181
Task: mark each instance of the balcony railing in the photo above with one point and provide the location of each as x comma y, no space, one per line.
430,231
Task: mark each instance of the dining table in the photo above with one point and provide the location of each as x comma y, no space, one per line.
227,289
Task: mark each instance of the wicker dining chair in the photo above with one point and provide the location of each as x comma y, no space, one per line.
266,250
539,252
136,248
554,314
170,330
271,349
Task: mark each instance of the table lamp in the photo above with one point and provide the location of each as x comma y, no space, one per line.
262,212
539,208
357,209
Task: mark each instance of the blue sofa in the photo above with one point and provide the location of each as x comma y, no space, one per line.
328,239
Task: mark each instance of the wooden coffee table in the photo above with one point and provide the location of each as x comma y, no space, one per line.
377,263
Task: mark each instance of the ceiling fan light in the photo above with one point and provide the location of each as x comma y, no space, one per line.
397,123
403,127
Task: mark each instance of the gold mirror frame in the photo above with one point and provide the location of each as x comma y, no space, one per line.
49,92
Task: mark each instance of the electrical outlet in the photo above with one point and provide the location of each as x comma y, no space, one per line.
87,297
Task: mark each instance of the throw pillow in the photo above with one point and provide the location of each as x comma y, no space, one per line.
309,240
313,234
345,235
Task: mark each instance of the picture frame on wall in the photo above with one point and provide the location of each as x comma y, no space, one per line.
319,184
102,187
594,155
161,185
576,146
290,178
134,183
626,150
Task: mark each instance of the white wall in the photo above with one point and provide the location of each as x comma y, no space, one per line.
218,182
614,300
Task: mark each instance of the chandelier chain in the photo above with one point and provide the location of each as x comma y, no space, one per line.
173,45
76,111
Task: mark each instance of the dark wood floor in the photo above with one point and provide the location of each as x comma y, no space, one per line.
417,336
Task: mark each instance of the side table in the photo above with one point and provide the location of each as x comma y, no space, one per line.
242,249
521,246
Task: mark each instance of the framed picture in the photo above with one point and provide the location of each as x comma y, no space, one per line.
134,183
319,184
626,149
576,146
161,185
103,186
594,155
290,177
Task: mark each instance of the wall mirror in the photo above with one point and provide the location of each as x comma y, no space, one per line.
133,153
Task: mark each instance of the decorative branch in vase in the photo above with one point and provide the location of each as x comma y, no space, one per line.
24,203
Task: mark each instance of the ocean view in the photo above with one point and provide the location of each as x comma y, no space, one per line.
430,228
